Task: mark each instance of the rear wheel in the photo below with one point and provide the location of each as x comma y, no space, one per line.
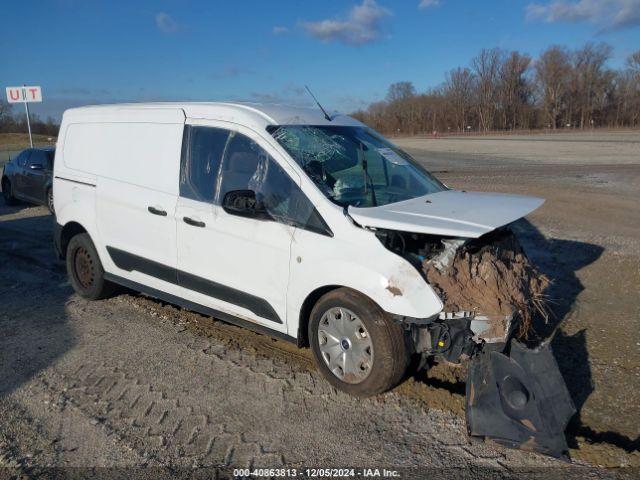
7,192
356,345
85,269
50,200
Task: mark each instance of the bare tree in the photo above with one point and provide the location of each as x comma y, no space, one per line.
510,91
6,110
515,91
591,80
633,62
628,98
552,75
486,67
400,91
458,91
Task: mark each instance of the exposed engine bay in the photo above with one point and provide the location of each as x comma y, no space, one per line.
491,293
486,284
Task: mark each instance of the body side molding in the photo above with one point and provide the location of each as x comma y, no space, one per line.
130,262
75,181
196,307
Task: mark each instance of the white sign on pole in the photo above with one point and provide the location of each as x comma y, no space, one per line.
26,94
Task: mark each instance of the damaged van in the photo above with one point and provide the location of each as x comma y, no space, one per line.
307,227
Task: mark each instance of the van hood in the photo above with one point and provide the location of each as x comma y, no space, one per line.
448,213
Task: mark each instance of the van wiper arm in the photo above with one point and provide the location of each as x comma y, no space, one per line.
367,177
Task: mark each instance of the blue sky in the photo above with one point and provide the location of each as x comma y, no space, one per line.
348,52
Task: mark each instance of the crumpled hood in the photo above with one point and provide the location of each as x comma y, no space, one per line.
448,213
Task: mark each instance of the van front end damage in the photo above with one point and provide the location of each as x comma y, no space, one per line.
491,294
516,396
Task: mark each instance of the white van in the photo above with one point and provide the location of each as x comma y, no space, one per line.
279,219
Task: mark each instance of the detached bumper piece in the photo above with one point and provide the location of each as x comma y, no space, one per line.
519,400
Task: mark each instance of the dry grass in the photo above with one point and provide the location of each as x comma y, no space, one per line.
16,141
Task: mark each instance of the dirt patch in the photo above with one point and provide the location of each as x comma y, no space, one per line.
491,276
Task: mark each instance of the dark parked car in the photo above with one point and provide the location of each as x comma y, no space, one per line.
28,177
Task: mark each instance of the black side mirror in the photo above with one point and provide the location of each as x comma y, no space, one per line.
244,204
36,166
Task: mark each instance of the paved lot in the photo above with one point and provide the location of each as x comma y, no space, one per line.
132,381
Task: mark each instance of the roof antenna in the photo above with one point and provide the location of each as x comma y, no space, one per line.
326,115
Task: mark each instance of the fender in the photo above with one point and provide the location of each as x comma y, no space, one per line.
388,279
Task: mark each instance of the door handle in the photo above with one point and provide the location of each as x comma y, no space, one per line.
192,222
157,211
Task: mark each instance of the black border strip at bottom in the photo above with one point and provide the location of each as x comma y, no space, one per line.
196,307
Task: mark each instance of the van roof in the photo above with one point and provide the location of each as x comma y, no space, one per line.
257,115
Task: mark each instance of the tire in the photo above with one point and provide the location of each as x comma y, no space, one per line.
379,356
7,192
85,271
49,200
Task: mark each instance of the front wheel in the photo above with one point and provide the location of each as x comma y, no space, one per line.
356,345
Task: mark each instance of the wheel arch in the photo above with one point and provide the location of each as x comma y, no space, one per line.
305,312
69,230
308,304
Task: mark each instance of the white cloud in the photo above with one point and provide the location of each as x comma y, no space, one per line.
608,14
279,30
428,3
165,23
362,25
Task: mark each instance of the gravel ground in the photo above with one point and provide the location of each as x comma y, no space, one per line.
586,237
131,381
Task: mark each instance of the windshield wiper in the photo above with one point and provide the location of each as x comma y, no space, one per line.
367,177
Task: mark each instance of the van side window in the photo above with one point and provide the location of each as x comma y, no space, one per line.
202,149
246,166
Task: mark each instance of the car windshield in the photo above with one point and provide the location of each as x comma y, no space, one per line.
354,165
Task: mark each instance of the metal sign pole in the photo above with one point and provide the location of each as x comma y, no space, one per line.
26,107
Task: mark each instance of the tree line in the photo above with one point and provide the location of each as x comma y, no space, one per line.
11,122
502,90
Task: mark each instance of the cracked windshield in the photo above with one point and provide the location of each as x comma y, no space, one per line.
354,166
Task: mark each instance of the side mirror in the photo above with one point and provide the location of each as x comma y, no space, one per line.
244,204
36,166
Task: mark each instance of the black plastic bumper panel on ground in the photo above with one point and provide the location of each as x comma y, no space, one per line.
520,400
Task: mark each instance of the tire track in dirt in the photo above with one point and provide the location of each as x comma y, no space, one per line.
156,424
174,426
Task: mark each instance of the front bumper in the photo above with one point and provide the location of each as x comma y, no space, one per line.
519,399
515,395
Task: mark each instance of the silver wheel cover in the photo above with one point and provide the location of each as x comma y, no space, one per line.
345,345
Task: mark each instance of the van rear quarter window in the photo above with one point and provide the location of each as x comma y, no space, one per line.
138,153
